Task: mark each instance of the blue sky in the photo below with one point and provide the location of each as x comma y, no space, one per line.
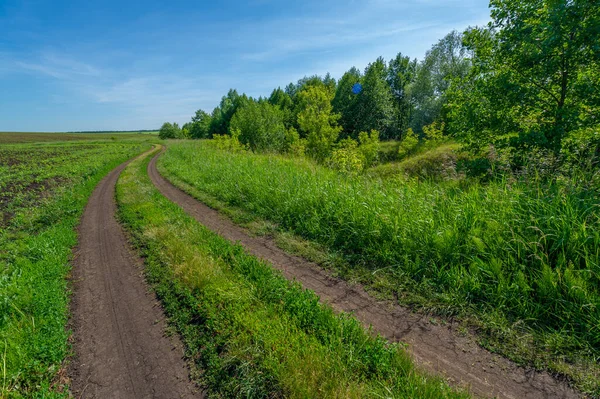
111,65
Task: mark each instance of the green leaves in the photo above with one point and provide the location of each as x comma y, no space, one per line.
317,121
529,64
260,125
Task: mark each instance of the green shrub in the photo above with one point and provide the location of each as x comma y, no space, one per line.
434,132
369,147
347,157
260,126
294,145
408,145
229,143
581,148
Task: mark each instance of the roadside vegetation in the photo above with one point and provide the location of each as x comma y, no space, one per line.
467,182
522,256
43,190
249,331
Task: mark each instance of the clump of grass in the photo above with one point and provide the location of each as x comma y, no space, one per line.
523,258
249,330
35,249
441,162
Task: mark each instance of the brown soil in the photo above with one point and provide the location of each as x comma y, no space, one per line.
436,348
121,350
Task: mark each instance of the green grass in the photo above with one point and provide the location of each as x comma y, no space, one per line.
441,162
43,190
249,331
521,260
34,137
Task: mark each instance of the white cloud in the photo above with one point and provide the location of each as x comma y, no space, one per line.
58,66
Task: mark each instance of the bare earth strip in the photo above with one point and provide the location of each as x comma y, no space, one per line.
121,350
436,348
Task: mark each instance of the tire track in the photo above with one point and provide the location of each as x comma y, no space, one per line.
120,346
436,348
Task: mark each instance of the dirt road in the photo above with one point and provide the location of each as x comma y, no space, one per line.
436,348
121,350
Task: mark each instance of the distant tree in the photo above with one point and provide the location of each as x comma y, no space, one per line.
536,74
216,119
200,126
169,131
401,74
317,121
260,126
284,102
330,82
291,90
447,60
345,102
310,81
221,116
375,108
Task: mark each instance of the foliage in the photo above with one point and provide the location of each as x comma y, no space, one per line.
581,148
221,115
408,144
369,147
535,75
200,126
375,108
345,102
285,103
229,142
401,75
447,61
294,145
347,158
169,131
434,132
317,121
260,125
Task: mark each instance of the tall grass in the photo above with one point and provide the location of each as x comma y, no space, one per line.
529,253
251,332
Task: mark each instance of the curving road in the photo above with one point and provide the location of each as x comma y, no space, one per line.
121,350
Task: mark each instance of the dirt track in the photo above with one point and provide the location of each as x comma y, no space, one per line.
436,348
121,350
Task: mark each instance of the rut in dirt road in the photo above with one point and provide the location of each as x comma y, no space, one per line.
436,348
121,350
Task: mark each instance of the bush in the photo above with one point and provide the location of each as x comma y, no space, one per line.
229,143
294,145
169,131
434,132
581,148
409,144
260,125
369,147
317,120
347,157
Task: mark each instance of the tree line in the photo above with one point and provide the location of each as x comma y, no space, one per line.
529,79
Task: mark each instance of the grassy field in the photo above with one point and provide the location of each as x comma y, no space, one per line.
33,137
44,187
520,261
250,332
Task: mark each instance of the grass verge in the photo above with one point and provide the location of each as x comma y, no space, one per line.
248,330
520,261
35,250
